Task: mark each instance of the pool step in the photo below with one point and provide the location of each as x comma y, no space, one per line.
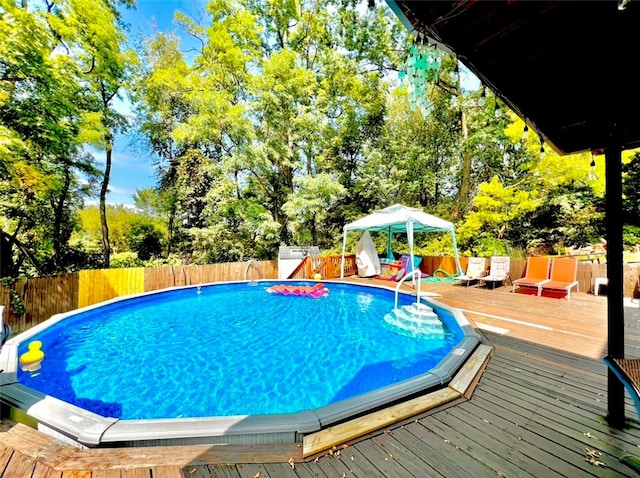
415,320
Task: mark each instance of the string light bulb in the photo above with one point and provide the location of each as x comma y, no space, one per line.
541,146
483,97
592,176
496,110
525,132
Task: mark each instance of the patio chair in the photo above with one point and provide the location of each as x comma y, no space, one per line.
628,372
406,267
536,274
564,274
476,268
498,271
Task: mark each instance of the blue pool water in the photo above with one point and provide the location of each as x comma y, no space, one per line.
230,349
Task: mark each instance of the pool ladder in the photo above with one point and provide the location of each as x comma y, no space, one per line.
256,266
411,275
416,319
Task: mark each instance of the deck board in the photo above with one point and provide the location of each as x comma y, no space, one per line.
537,409
250,470
20,465
443,455
414,465
331,467
106,474
497,436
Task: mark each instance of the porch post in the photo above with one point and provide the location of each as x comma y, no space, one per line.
615,290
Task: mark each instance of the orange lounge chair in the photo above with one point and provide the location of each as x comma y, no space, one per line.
536,275
564,275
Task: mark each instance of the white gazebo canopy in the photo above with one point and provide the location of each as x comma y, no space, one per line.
400,219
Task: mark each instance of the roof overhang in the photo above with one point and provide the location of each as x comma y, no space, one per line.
569,69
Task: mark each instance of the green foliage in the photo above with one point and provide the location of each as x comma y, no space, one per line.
130,232
51,61
308,208
286,123
631,236
16,303
125,259
487,246
17,306
172,260
494,208
631,191
433,245
145,240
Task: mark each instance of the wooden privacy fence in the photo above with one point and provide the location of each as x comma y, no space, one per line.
41,298
46,296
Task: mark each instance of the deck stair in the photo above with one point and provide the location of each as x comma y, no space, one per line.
415,320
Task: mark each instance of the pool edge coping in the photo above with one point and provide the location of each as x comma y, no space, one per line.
460,386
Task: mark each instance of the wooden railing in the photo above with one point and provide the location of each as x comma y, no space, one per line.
328,267
45,296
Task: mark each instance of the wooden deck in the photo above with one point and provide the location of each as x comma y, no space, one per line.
537,411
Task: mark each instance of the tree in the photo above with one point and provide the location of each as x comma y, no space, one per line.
494,209
130,232
630,191
557,201
259,114
41,116
287,121
104,65
159,93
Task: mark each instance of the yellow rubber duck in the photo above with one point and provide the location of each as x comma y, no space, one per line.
30,360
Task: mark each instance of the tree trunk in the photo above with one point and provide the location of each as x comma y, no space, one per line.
171,229
464,193
7,267
106,246
59,218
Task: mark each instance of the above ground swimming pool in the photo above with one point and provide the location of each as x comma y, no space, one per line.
242,362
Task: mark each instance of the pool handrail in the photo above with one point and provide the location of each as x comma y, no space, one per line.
411,275
256,265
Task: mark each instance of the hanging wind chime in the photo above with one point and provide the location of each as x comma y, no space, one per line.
422,65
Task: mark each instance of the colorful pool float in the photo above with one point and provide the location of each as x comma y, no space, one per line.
318,290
